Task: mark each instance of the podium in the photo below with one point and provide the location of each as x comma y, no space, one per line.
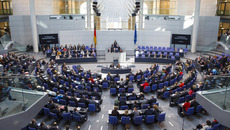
121,56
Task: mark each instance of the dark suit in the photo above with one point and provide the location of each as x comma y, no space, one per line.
115,113
149,112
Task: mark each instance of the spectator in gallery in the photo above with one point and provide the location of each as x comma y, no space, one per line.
181,50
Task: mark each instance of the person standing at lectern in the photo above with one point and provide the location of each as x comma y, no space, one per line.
115,44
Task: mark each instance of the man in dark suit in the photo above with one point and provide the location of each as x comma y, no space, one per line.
33,124
152,100
50,105
83,100
98,108
65,97
148,111
96,94
82,117
73,99
122,101
115,112
135,105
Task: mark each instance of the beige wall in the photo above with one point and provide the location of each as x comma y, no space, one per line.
21,7
186,7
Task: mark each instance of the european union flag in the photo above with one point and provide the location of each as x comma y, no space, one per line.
135,35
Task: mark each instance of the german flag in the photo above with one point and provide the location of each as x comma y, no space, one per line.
95,36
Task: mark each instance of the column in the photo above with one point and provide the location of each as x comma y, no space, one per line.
89,14
34,25
133,22
129,23
141,15
195,26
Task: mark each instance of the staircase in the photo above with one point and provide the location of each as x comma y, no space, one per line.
213,52
16,52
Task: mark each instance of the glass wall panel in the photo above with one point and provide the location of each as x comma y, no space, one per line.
167,7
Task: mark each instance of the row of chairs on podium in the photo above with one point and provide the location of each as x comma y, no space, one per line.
170,49
158,55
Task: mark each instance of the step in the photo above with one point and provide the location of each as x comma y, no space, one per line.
216,52
211,54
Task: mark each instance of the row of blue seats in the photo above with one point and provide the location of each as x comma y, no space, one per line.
138,120
65,116
144,106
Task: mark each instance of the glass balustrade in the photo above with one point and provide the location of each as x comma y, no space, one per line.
217,90
18,93
5,43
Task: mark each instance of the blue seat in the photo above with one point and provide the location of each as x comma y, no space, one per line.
157,103
166,83
72,104
46,86
171,82
181,100
187,97
105,85
29,128
55,100
215,127
149,119
132,98
77,118
62,91
138,120
96,89
88,88
166,95
199,108
82,105
54,116
138,77
113,120
113,91
193,95
124,107
55,89
121,89
63,102
161,117
125,120
92,107
161,85
116,79
78,95
130,90
144,106
131,78
62,82
46,111
69,93
77,79
154,87
80,87
67,116
147,89
108,78
190,111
